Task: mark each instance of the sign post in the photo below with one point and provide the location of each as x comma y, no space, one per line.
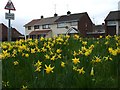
9,6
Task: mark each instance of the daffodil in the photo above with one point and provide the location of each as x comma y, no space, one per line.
84,43
92,72
38,69
97,59
38,66
48,69
107,58
42,39
15,63
75,68
59,56
53,58
81,71
91,47
26,55
76,36
43,49
47,56
76,60
5,84
38,63
87,53
106,43
32,50
24,87
83,49
58,50
75,53
100,36
62,64
80,52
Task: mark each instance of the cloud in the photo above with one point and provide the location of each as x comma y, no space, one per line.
26,10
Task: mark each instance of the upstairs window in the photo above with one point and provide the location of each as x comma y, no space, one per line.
46,26
111,23
29,27
36,27
61,25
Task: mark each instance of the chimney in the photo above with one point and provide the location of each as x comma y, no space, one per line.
103,24
55,15
42,17
68,13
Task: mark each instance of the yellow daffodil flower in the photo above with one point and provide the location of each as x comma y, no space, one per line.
58,50
47,56
92,72
62,64
32,50
15,63
27,55
84,43
81,71
48,69
38,63
76,60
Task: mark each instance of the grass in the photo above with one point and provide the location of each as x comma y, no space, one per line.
19,59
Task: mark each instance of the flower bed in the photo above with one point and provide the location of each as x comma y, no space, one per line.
61,62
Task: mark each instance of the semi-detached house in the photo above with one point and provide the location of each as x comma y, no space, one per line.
54,26
112,23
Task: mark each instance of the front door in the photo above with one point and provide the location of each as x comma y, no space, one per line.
111,30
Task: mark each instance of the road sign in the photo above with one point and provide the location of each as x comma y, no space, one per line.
9,16
10,6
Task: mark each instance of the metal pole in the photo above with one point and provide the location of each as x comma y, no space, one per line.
9,29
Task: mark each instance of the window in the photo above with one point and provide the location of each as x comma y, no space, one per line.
46,26
36,27
61,25
111,23
74,23
29,27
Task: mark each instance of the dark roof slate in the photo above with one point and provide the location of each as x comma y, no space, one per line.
113,16
31,23
71,17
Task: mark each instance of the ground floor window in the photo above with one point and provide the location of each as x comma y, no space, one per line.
37,36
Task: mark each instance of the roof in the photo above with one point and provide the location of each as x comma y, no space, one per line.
113,15
52,20
15,33
14,30
39,32
71,17
31,23
49,20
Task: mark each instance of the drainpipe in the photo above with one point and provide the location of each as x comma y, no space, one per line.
117,28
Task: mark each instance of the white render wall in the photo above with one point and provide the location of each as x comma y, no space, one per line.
53,27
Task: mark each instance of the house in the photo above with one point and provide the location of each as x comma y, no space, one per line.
54,26
14,34
112,23
98,30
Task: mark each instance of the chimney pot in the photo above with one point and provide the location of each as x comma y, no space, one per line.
55,15
42,17
68,13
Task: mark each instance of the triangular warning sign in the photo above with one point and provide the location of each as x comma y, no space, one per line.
10,6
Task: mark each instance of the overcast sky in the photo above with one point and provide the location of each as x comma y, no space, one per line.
26,10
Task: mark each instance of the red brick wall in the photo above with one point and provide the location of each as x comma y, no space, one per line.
85,25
